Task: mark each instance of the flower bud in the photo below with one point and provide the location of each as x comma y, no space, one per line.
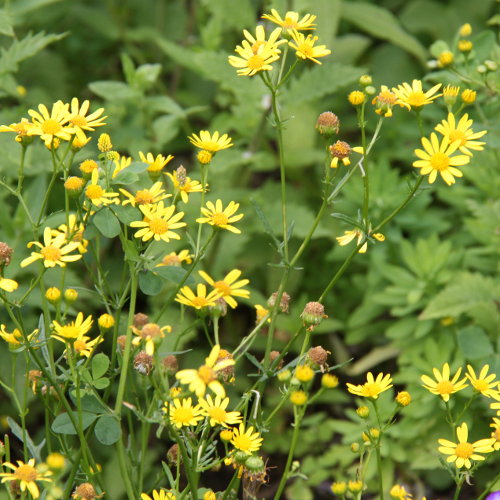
355,486
445,59
403,398
338,488
74,186
313,314
465,30
106,322
70,295
53,295
204,157
254,463
363,411
55,461
370,90
365,80
329,381
298,398
284,375
209,495
104,143
304,373
468,96
356,97
226,435
87,167
464,45
374,433
355,447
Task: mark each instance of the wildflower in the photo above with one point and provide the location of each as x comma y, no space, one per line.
465,30
305,49
304,373
450,94
445,59
5,254
120,163
443,386
298,398
284,301
83,346
340,151
27,475
78,144
74,185
13,339
437,157
170,364
184,185
356,97
96,194
105,322
104,143
143,363
8,285
87,167
482,383
384,101
176,259
220,217
209,495
261,312
246,440
496,433
85,491
228,287
291,20
355,486
461,132
50,126
21,130
328,124
372,388
260,39
155,165
215,409
463,452
226,435
159,495
73,329
150,334
73,232
210,142
399,492
187,297
356,233
329,381
468,96
464,45
338,488
312,315
81,121
55,461
183,413
413,96
206,375
158,223
149,196
70,295
403,398
54,250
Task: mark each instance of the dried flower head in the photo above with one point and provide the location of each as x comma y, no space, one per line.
5,254
170,364
143,363
140,320
284,301
328,124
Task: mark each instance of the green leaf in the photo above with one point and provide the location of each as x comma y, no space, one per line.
114,91
174,273
474,343
62,423
150,283
107,223
166,128
101,383
100,365
146,75
23,7
18,432
131,253
380,23
6,23
125,177
107,430
127,213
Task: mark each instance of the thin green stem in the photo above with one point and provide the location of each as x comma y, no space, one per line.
20,175
204,172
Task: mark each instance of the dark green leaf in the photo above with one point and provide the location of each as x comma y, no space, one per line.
100,365
108,430
474,343
113,91
173,273
107,223
149,283
63,425
127,213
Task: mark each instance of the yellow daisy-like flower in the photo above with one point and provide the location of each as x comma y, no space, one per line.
372,388
217,216
211,142
96,194
400,493
215,409
228,287
15,338
304,373
483,383
155,165
305,49
206,375
150,334
176,259
159,495
50,126
437,157
384,101
496,433
158,223
83,346
73,330
26,475
73,232
260,39
187,297
413,97
149,196
183,413
357,233
184,185
291,20
120,163
443,386
54,250
463,452
83,122
21,129
261,312
8,285
246,440
462,132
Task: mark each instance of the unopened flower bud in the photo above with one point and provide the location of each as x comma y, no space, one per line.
304,373
356,97
338,488
55,461
312,315
445,58
284,375
104,143
403,398
329,381
465,30
355,447
143,363
355,486
363,411
226,435
370,90
374,433
254,463
106,322
209,495
468,96
328,124
298,398
204,157
365,80
74,185
53,295
464,45
284,301
482,69
70,295
491,65
87,167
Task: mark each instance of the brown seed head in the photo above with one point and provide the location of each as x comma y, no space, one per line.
328,124
5,254
340,150
140,320
284,302
173,453
318,355
180,174
170,364
143,363
85,491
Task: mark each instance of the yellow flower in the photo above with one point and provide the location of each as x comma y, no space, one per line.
73,232
338,488
8,285
357,233
206,375
413,96
104,143
372,388
356,97
298,398
184,185
341,150
73,330
146,196
81,121
51,125
187,297
464,45
304,373
468,96
151,334
291,20
329,381
400,493
14,338
261,312
26,475
155,165
256,54
305,49
246,440
159,495
445,58
228,287
496,433
211,143
84,346
21,129
120,163
183,413
106,322
53,252
87,167
403,398
86,491
436,157
158,223
217,216
443,386
56,461
465,30
463,452
215,409
483,383
461,132
176,259
96,194
384,101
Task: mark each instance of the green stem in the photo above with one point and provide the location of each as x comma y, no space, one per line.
234,480
125,471
458,488
20,175
489,487
204,171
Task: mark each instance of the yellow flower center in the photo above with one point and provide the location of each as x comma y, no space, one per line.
439,161
94,191
223,287
458,135
51,127
171,260
87,166
151,330
144,197
257,45
73,183
416,99
306,48
217,414
206,374
242,442
158,226
183,415
371,390
25,473
155,166
199,302
496,434
69,332
51,252
289,23
255,62
445,387
464,450
79,121
480,385
387,97
220,219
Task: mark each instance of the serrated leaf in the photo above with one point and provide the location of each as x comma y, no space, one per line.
173,273
100,365
108,430
474,343
107,223
149,283
6,23
63,425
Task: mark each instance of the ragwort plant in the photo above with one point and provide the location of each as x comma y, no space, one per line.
105,379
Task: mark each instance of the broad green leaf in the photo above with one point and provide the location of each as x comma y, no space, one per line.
173,273
107,223
127,213
164,104
6,23
63,425
165,128
23,7
101,383
125,177
113,91
18,432
474,343
146,75
100,365
131,253
108,430
149,283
